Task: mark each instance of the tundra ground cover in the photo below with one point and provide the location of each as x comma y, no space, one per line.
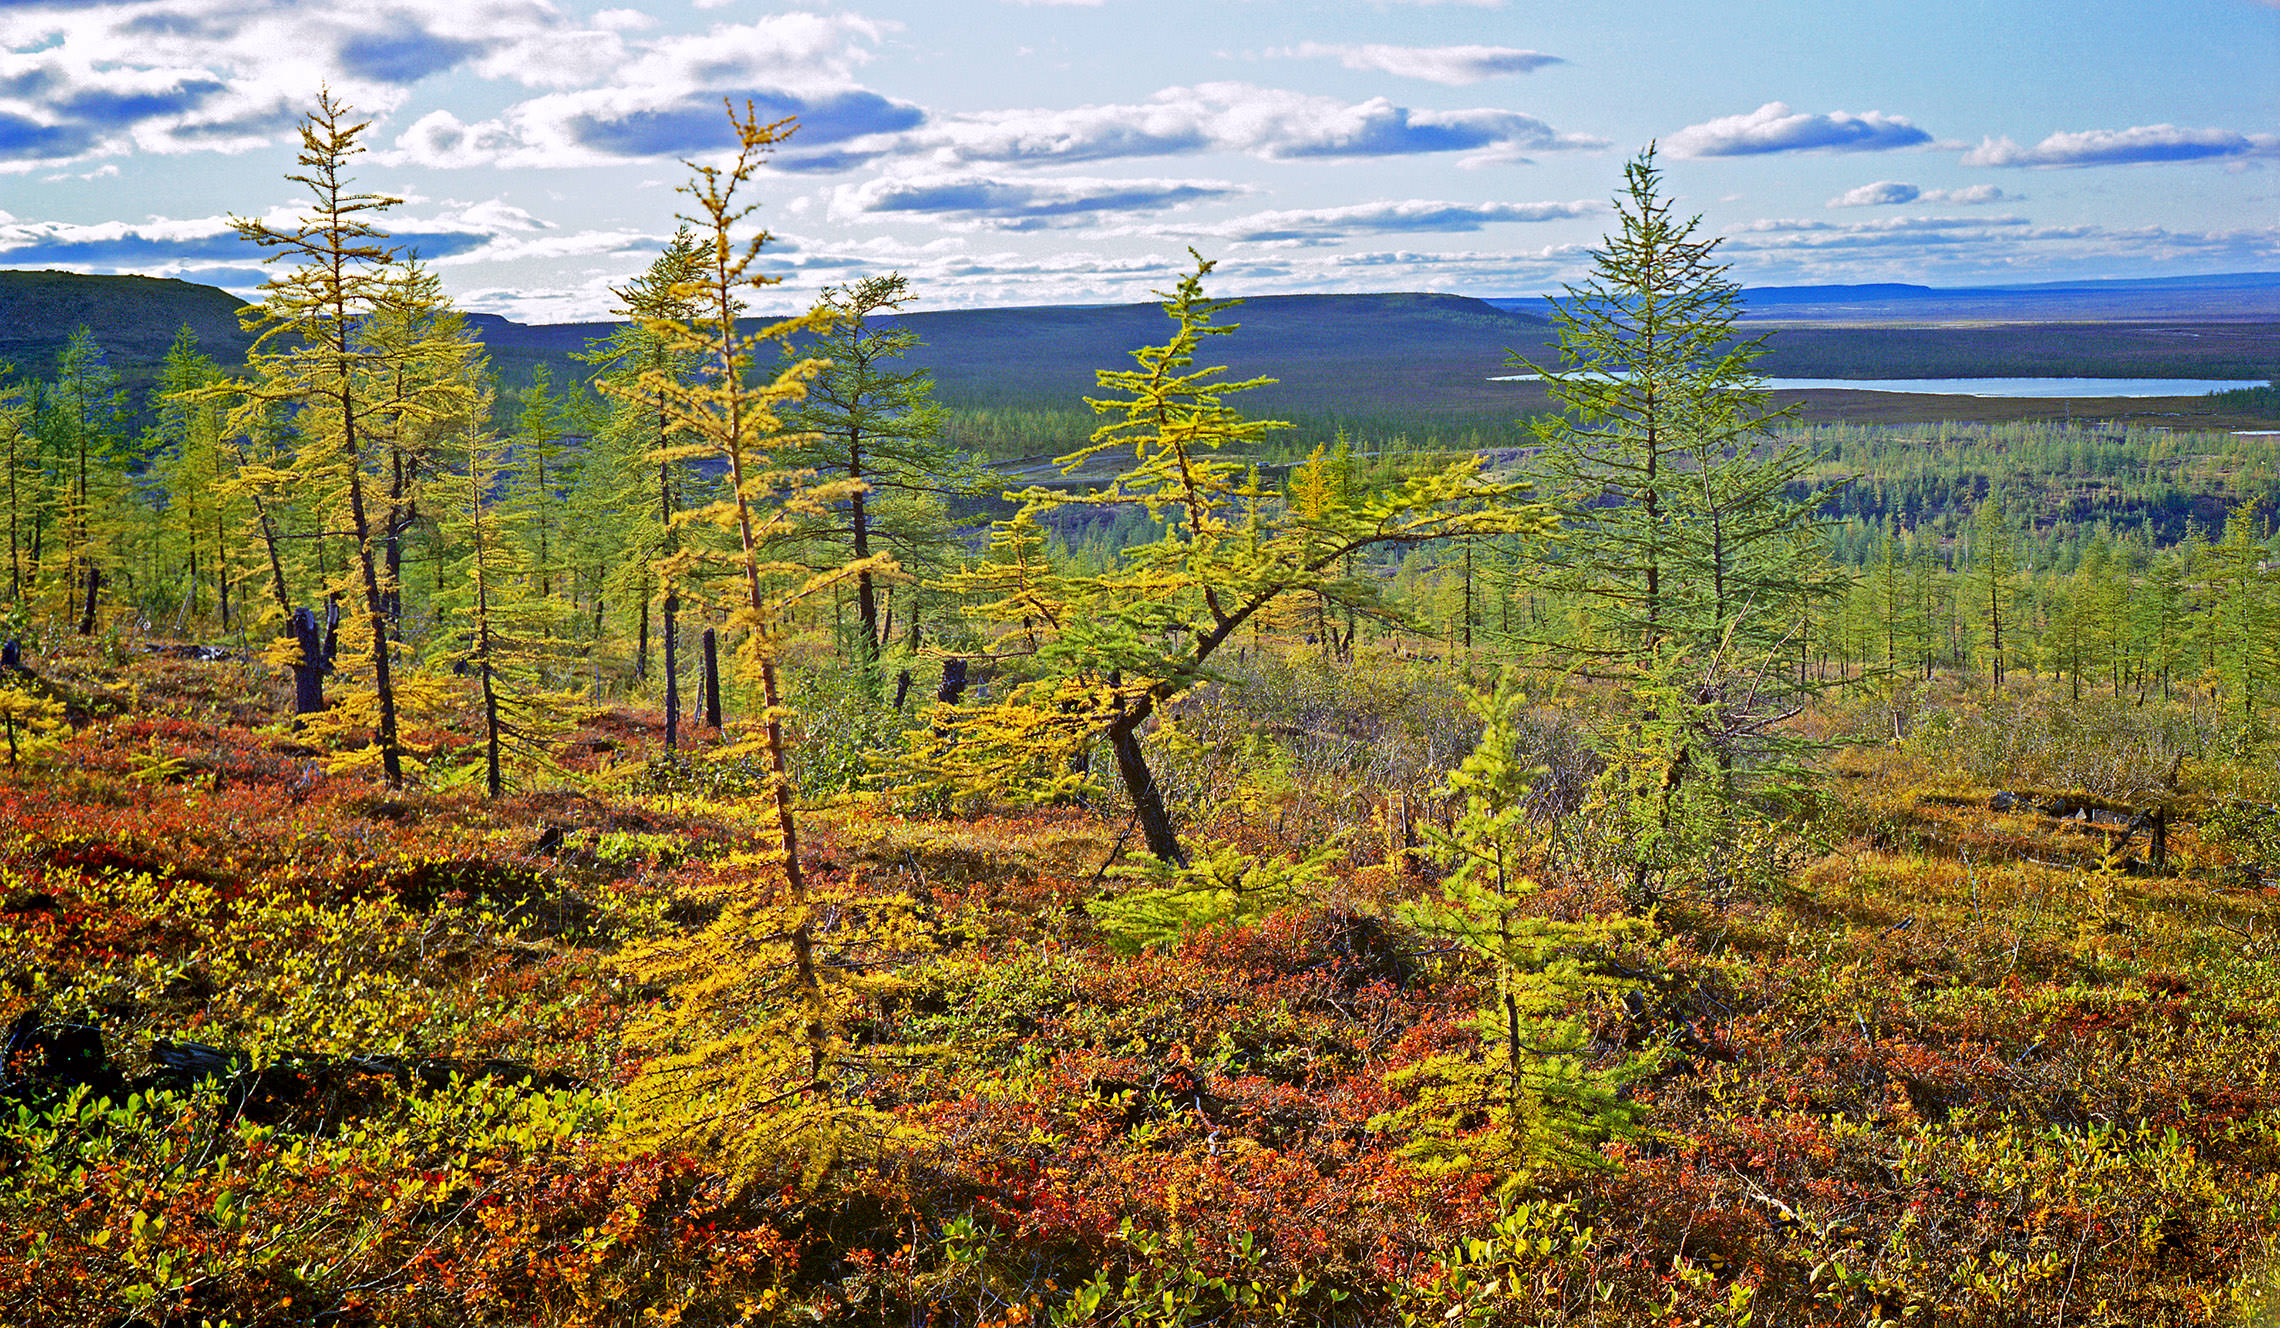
1951,1071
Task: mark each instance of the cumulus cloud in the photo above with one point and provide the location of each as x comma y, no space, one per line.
1880,226
1453,65
1019,204
55,106
666,101
2123,147
1239,118
1326,225
1774,127
1971,196
402,51
228,75
195,246
1879,194
1980,249
1888,193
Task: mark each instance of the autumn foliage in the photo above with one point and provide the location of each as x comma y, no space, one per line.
1699,987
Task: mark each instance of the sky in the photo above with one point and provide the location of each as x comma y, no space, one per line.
1019,152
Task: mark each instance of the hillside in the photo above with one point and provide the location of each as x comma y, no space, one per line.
135,318
2228,297
1407,357
1331,352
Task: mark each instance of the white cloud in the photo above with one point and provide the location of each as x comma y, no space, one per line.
1033,203
2122,147
1971,196
1888,193
1880,194
1453,65
1327,225
2000,247
664,99
1774,127
1880,226
1239,118
178,76
454,233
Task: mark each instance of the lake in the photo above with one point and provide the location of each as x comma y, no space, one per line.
2001,387
2021,387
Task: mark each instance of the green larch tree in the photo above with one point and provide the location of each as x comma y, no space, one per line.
2241,615
189,461
642,443
84,426
873,422
507,628
542,469
1994,562
1138,635
309,352
758,1062
1524,1099
25,478
1678,508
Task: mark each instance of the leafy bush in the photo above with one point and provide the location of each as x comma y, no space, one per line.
2103,746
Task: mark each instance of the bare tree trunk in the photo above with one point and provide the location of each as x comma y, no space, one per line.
672,671
309,670
1141,786
712,680
641,652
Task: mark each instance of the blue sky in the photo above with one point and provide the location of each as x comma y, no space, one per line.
1063,151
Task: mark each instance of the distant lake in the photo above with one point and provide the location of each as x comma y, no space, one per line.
2002,387
2021,387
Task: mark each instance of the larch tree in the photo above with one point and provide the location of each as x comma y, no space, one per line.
1995,561
2242,615
259,474
25,480
1680,511
1524,1100
309,352
508,628
420,367
2160,609
189,461
84,424
760,1063
642,442
1140,634
872,422
542,469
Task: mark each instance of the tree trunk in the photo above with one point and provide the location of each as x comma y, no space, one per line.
491,772
1140,783
712,680
672,672
392,598
953,682
641,652
309,670
866,594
